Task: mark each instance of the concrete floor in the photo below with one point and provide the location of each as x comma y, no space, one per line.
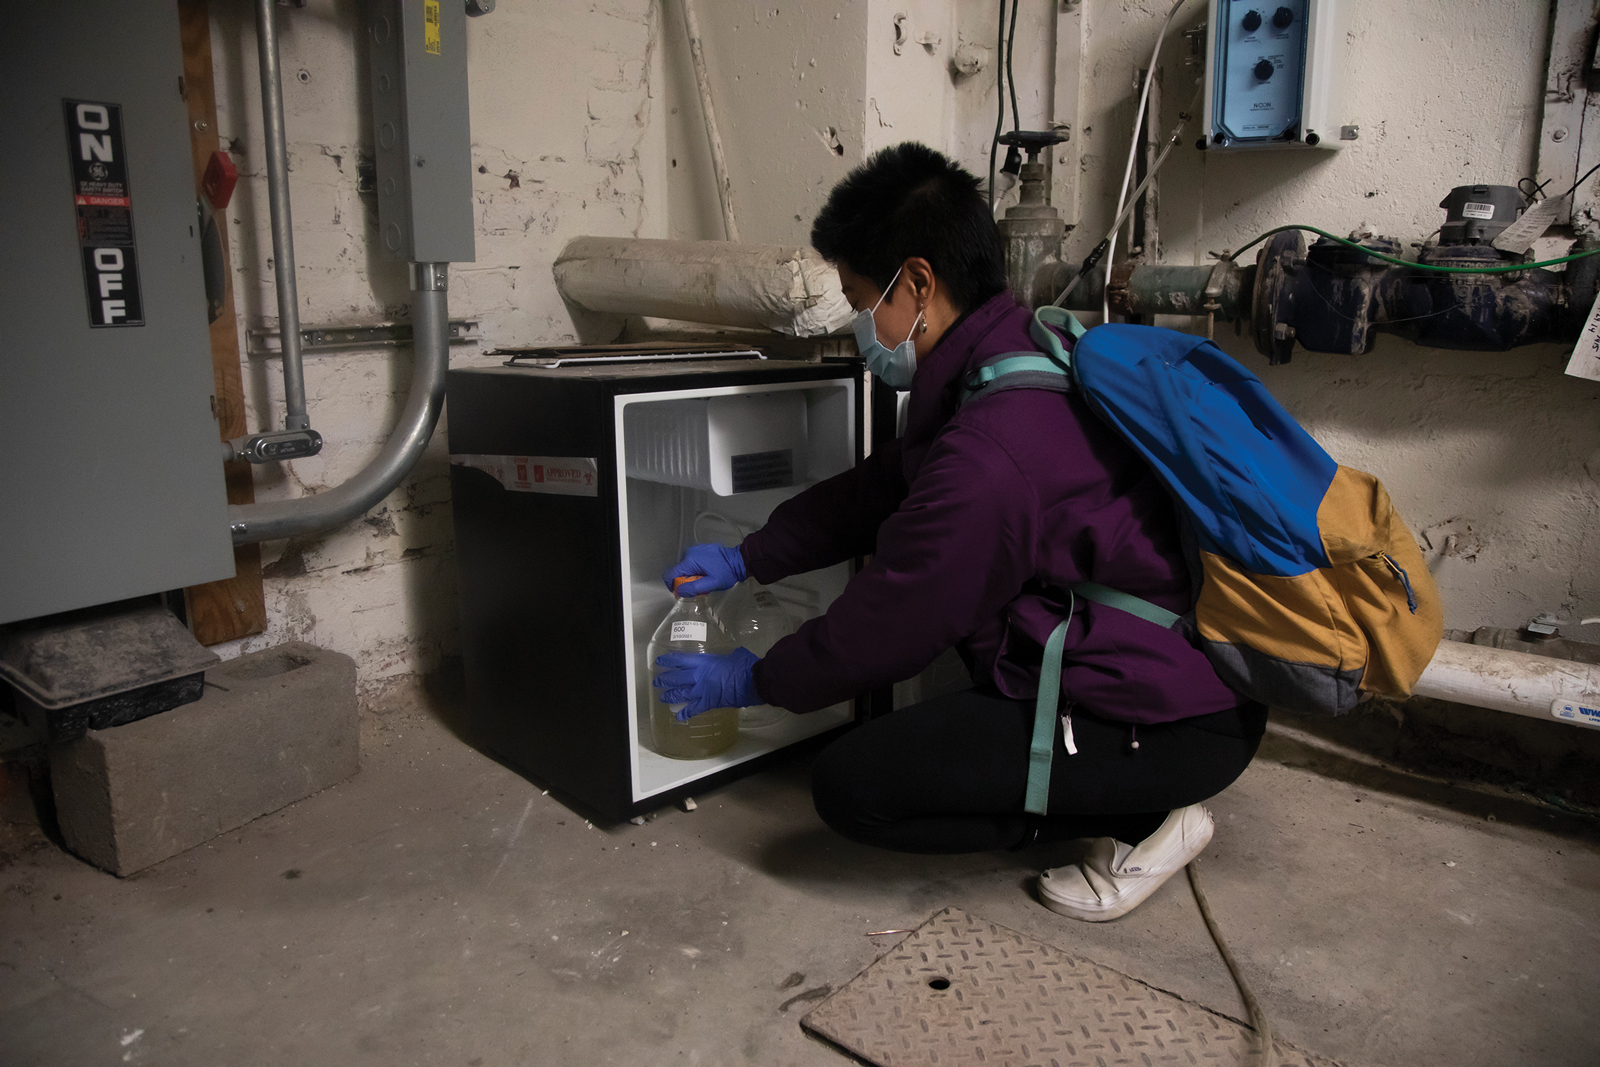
437,909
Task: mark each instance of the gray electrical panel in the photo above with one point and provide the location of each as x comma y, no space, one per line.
110,468
423,135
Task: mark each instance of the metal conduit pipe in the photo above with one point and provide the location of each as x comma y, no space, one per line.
294,381
430,325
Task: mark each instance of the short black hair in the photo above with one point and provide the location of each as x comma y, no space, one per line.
909,200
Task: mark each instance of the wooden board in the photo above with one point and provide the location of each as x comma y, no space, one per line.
234,607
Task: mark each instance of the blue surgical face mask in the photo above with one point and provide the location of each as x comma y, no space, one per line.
894,368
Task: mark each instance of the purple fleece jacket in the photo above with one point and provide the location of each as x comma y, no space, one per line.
976,520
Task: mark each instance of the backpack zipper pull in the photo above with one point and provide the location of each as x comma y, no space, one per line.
1405,581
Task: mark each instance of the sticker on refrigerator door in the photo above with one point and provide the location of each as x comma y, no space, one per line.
557,475
104,207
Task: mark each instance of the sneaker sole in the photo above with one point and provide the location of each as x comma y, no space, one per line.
1137,893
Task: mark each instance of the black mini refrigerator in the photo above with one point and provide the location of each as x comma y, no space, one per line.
574,485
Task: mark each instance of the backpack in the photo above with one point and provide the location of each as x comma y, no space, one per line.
1311,591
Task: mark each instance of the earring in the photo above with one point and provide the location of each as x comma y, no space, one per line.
924,327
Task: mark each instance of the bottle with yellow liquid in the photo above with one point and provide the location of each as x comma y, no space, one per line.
689,627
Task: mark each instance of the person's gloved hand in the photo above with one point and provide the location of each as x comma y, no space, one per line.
718,566
704,680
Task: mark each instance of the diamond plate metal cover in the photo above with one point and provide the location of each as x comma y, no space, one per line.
962,990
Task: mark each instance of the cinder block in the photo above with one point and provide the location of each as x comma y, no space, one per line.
272,728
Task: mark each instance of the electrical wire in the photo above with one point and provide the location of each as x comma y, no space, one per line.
1532,192
999,91
1133,145
1258,1018
1580,181
1397,261
1011,74
1336,313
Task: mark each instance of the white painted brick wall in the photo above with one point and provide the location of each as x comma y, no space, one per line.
584,122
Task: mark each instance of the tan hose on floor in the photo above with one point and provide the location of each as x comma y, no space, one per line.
1258,1018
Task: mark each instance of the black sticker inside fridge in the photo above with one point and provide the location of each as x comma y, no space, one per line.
763,470
104,208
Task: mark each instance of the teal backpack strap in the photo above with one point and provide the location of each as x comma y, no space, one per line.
1041,751
1037,798
1022,369
1011,363
1045,338
1111,598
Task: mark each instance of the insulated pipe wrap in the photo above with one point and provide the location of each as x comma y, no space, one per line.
784,288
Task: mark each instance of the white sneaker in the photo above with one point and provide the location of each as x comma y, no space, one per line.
1115,877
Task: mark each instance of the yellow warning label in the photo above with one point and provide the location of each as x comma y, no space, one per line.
430,26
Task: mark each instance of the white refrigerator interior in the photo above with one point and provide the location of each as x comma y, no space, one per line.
710,465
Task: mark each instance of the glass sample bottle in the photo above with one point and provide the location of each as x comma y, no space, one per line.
758,624
689,627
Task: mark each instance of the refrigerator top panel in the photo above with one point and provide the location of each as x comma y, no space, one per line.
628,371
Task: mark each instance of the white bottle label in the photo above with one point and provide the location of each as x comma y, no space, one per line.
689,631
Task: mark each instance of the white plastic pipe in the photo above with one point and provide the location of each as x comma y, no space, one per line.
785,288
1522,684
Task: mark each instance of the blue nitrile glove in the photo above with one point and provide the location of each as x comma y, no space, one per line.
704,680
719,566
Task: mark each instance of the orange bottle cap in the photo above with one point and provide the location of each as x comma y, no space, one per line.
690,578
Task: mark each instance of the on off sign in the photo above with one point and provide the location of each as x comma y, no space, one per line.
104,207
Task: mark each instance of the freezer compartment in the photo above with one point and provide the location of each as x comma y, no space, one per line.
735,443
668,504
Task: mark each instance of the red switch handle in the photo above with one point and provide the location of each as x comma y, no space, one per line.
220,178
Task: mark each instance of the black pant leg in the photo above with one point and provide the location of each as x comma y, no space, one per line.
949,775
943,776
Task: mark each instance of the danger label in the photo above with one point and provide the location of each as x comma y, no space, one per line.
104,205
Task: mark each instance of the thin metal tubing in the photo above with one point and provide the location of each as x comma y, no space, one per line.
294,380
430,324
